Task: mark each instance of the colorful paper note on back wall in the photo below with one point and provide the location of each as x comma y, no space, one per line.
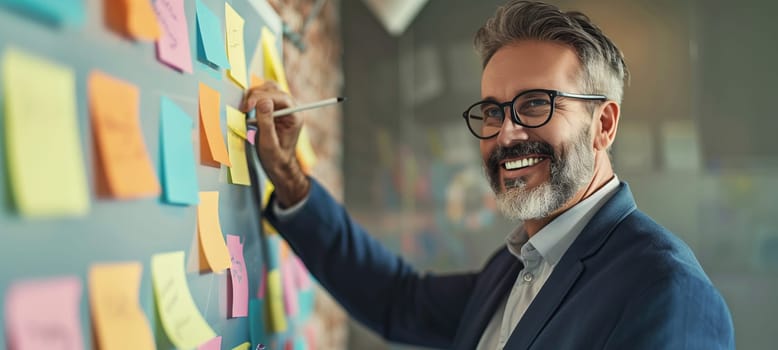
236,124
179,172
117,318
212,148
32,159
59,12
236,51
173,44
210,37
125,162
239,282
43,314
212,245
132,18
182,321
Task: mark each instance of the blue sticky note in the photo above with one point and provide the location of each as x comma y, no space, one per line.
210,37
273,252
57,12
257,330
306,300
179,173
300,343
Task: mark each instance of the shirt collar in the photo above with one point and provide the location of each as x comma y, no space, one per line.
553,240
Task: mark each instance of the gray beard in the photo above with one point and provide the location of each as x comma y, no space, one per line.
571,169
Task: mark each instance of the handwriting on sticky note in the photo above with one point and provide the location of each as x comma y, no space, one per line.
210,37
178,159
30,158
210,232
212,148
239,171
238,278
43,314
117,317
173,43
236,52
122,151
182,321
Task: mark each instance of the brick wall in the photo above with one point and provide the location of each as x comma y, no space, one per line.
315,74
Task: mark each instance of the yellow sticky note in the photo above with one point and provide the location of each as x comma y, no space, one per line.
34,155
274,66
304,151
267,190
182,321
117,318
244,346
236,52
126,165
275,302
239,171
209,230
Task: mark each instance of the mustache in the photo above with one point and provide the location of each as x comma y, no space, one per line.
519,150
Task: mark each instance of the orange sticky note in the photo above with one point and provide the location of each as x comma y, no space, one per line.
212,244
132,18
121,150
117,318
256,81
213,150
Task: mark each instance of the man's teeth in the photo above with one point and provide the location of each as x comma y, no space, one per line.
521,163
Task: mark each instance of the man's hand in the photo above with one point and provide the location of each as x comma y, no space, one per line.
276,142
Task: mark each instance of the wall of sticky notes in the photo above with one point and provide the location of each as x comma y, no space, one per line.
127,215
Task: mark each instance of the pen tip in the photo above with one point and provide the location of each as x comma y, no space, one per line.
341,99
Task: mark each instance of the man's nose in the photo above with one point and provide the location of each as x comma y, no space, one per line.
510,132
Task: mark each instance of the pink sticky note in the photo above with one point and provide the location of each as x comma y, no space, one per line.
173,44
251,135
290,291
213,344
238,278
262,284
301,274
43,314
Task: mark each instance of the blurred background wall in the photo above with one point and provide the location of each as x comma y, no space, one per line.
696,139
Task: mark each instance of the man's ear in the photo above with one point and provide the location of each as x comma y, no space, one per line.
605,124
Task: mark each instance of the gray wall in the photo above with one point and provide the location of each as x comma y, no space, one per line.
695,139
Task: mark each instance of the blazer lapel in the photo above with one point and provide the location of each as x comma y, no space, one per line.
570,267
484,303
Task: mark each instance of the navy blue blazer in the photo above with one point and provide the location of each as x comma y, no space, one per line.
625,283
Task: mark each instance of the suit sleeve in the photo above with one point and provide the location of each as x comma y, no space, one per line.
375,285
679,312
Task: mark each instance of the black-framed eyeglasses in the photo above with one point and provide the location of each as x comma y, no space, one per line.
530,109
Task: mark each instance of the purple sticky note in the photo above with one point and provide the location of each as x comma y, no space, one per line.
43,314
238,278
251,134
173,45
213,344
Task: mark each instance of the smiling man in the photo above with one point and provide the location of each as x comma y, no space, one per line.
584,268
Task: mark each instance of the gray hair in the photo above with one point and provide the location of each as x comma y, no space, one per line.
603,70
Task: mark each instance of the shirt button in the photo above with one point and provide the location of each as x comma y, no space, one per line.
528,277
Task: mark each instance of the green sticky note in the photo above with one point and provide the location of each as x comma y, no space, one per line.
179,172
